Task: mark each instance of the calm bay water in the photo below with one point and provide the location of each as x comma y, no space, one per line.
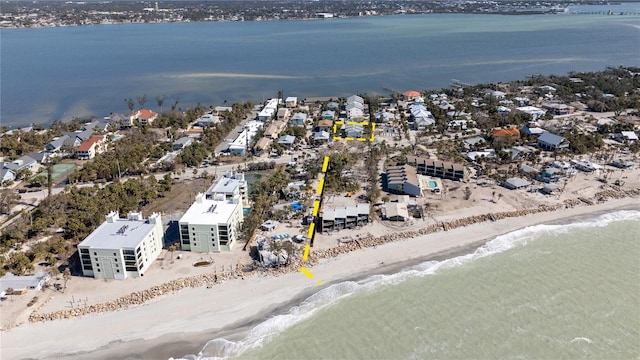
567,291
58,73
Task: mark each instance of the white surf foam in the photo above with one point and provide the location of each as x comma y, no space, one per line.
222,348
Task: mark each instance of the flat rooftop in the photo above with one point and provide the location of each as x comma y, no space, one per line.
122,233
209,211
226,185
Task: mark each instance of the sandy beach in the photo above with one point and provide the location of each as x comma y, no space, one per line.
180,323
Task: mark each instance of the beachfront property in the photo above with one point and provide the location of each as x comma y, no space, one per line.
20,285
88,149
211,224
436,168
516,183
396,211
122,248
550,142
144,117
207,120
403,180
291,102
345,217
269,110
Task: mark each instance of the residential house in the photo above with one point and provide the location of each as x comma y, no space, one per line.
355,99
549,189
298,119
355,110
182,143
503,110
529,170
211,224
122,248
287,140
475,142
403,180
558,109
207,120
422,118
269,110
505,133
329,115
283,114
479,156
332,105
20,285
263,144
550,142
516,183
40,157
6,175
495,94
56,144
321,137
348,217
353,130
88,149
436,168
532,129
623,136
396,211
144,116
325,125
291,102
533,111
23,163
274,129
384,116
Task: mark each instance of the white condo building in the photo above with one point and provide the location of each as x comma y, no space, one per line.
122,248
211,224
231,186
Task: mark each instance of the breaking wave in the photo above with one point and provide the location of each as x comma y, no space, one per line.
221,348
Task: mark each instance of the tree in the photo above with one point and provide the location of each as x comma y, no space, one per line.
49,165
67,276
160,100
130,104
7,199
141,100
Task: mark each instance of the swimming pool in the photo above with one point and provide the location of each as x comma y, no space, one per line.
433,184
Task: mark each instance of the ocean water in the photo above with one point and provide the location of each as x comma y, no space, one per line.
565,291
57,73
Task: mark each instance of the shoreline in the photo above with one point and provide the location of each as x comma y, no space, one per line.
181,323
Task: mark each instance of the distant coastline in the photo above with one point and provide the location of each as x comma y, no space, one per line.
19,14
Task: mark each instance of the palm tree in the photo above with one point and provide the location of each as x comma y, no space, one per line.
141,100
160,100
130,104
